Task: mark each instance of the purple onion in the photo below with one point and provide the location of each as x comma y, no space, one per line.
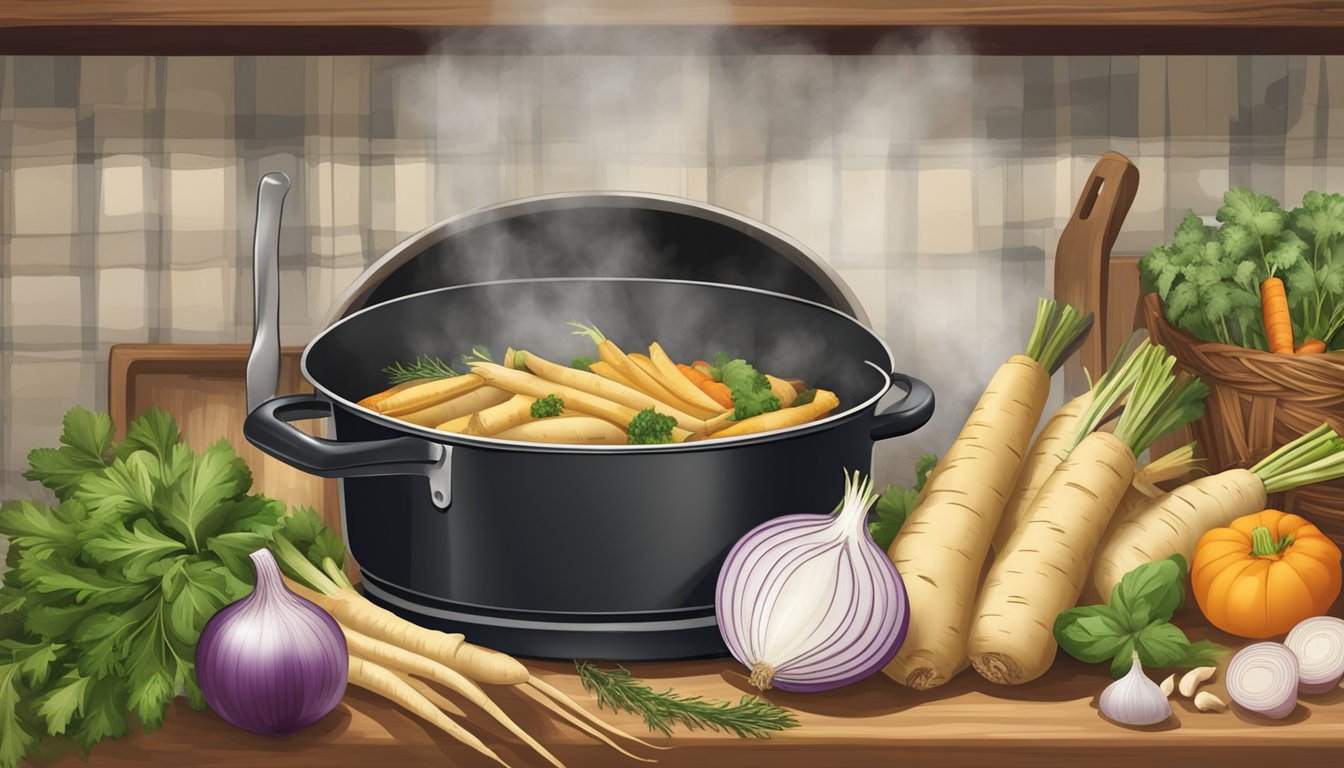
809,602
272,663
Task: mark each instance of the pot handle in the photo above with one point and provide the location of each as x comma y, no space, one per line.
263,364
268,428
909,414
267,424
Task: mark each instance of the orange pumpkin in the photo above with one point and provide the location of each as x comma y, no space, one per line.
1264,573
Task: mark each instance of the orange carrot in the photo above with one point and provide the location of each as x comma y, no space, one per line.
715,389
1311,347
1278,324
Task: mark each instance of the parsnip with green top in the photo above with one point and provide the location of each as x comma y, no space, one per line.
1049,448
1042,569
940,551
1172,523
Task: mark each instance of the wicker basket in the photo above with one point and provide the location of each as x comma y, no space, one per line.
1257,402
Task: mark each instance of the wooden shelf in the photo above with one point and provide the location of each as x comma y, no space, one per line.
188,27
1243,13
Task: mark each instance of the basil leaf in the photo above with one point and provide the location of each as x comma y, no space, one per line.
1092,633
1161,645
1149,593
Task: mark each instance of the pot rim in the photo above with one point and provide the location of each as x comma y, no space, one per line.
476,441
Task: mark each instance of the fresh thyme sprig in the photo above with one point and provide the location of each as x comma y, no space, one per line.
424,367
750,718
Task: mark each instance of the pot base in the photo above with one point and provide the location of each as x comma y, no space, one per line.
683,634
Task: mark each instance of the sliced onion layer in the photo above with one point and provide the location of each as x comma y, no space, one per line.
1318,644
1262,678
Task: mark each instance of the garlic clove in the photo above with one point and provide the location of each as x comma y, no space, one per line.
1207,702
1135,699
1168,685
1195,678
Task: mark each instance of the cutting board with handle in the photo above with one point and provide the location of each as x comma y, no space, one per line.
203,387
1082,258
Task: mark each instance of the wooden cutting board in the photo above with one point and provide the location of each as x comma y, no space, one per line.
1083,257
204,387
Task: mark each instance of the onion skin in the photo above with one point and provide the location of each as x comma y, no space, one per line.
1261,659
272,663
777,616
1314,677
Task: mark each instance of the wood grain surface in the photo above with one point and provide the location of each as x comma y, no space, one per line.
422,13
968,723
1083,259
203,387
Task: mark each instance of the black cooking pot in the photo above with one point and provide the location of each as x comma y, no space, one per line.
572,551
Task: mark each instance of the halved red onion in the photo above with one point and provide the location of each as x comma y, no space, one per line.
809,602
1318,644
1262,678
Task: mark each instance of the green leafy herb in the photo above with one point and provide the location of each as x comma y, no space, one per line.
896,504
751,390
749,718
1209,279
550,405
582,363
108,591
1137,617
650,427
424,367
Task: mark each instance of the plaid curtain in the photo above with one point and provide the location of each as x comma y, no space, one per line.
937,185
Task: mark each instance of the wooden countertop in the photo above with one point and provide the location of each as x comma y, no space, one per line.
842,26
967,723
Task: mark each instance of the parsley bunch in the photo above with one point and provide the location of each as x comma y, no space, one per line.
110,588
1209,278
752,395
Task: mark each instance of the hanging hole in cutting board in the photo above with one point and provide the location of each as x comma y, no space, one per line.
1091,199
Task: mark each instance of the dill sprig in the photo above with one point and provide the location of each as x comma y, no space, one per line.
424,367
750,718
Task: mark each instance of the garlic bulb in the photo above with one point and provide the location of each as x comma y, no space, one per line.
1134,699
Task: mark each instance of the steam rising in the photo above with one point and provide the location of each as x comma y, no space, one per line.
742,125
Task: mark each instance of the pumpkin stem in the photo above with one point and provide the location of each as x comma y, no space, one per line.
1263,545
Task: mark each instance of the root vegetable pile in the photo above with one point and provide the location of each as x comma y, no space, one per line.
941,548
528,398
1075,521
1042,569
